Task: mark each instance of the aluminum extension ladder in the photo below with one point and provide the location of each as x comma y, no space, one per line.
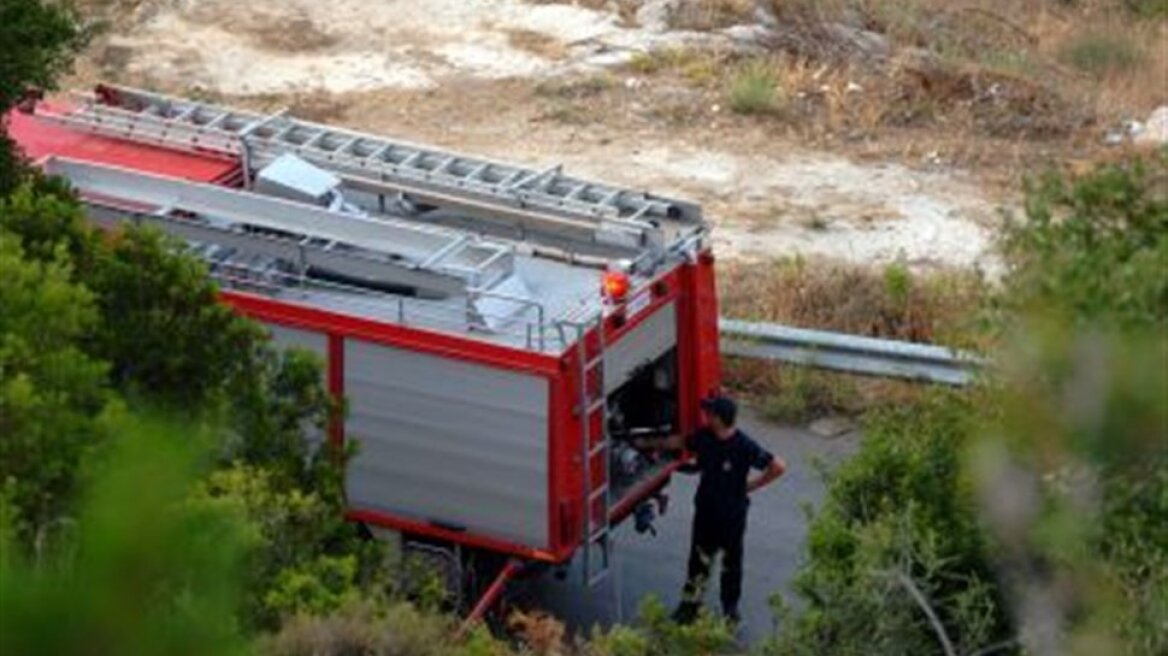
546,200
593,407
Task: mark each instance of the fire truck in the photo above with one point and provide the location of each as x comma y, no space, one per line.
500,333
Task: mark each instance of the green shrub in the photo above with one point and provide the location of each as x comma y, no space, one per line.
1101,53
140,572
1095,249
754,89
1148,8
53,395
654,633
899,517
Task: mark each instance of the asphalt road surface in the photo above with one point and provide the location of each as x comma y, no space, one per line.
647,565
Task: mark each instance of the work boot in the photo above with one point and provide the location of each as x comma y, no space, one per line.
685,613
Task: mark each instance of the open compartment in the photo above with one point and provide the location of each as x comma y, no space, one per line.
646,405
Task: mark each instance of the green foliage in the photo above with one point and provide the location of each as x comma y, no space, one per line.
144,573
94,324
898,283
1102,53
1155,9
303,556
801,394
900,510
1029,514
40,39
1081,443
754,89
52,395
656,634
1074,483
1095,249
162,329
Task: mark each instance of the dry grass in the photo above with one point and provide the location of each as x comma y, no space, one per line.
889,303
537,43
1122,49
797,395
862,300
993,85
712,14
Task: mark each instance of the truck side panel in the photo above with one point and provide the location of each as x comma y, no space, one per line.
460,445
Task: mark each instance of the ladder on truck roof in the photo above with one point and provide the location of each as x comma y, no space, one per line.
545,200
432,260
596,453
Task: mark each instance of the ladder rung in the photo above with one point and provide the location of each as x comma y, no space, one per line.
596,494
478,171
600,536
378,155
345,145
315,139
411,159
595,451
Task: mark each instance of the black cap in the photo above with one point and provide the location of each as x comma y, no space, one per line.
722,407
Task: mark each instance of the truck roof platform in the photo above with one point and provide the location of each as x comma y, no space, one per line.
409,235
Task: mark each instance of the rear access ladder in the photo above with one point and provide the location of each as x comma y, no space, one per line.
595,446
545,201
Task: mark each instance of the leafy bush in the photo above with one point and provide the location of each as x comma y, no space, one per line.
52,394
656,634
754,89
40,39
143,573
1081,440
899,520
1094,250
97,326
1029,514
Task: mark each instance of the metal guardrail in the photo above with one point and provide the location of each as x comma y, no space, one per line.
848,353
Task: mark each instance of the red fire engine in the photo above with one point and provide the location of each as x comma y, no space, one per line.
500,333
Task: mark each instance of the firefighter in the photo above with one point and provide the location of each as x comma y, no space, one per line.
724,457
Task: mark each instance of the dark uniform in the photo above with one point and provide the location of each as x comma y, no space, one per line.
720,515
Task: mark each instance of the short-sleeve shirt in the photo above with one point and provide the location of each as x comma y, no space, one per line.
724,465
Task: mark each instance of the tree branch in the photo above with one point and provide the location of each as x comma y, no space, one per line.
918,596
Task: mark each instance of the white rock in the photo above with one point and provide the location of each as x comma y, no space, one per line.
1155,130
657,15
750,35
